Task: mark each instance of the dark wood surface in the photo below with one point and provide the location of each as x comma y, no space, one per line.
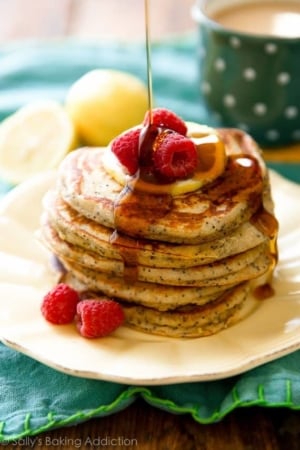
146,428
140,426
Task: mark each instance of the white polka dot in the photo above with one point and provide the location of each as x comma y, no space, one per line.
235,42
272,135
270,48
260,109
283,78
220,64
229,100
291,112
206,87
296,135
249,74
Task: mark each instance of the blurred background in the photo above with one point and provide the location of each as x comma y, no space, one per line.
103,19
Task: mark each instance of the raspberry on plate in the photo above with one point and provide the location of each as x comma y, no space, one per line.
98,317
126,148
165,118
59,304
175,156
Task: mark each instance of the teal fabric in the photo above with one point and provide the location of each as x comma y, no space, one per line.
47,70
34,397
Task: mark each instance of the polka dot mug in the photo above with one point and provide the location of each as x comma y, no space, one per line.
250,79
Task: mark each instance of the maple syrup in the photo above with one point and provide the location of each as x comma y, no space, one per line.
129,256
264,291
148,56
242,172
146,140
268,225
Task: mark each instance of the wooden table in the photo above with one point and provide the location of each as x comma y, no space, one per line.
143,427
140,425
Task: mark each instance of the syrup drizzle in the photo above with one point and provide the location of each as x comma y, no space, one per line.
149,132
265,222
146,141
245,168
148,55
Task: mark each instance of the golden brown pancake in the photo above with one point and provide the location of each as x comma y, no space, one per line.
231,270
187,321
190,322
76,229
181,266
156,296
196,217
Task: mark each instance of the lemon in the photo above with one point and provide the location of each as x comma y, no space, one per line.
211,157
211,164
115,170
103,103
33,139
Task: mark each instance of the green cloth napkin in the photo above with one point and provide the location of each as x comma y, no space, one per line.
34,397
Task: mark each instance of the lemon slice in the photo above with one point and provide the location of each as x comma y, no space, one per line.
34,139
211,157
211,164
197,130
115,170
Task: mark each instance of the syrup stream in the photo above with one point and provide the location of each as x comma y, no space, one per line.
148,134
264,222
148,55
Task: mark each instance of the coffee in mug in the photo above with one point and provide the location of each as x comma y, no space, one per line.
276,18
249,67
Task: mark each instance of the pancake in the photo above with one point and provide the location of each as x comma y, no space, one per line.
193,320
76,229
233,269
181,266
196,217
158,296
161,297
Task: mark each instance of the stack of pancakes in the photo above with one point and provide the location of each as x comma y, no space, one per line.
181,266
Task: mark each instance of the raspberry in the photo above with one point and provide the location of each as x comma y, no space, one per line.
59,304
126,148
98,317
175,156
164,118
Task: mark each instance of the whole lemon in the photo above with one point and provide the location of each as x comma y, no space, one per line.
105,102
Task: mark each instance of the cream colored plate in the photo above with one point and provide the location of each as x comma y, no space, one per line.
270,331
